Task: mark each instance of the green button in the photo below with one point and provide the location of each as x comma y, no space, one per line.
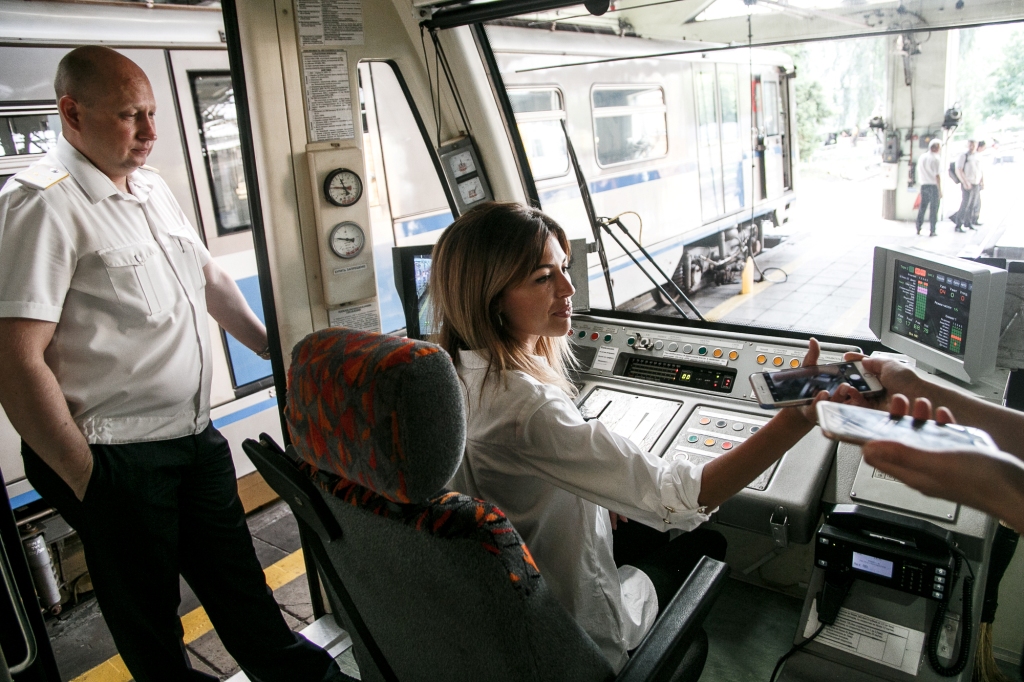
702,350
693,439
582,334
630,341
607,338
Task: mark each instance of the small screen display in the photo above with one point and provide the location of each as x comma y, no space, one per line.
931,307
421,274
806,382
872,564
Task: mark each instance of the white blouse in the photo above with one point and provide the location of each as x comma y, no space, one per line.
530,452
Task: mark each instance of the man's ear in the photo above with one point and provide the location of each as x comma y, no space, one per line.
70,113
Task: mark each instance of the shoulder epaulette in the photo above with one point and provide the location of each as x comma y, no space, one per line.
150,168
40,176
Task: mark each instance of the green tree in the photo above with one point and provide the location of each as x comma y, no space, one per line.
1006,95
812,109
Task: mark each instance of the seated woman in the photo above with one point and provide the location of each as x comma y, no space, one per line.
501,293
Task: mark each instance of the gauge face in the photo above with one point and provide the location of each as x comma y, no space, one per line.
471,190
343,187
462,163
347,240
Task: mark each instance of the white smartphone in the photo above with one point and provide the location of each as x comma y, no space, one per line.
798,386
858,425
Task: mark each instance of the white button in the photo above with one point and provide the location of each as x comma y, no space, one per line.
659,344
673,347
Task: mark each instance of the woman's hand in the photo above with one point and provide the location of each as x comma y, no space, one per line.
615,518
843,394
895,377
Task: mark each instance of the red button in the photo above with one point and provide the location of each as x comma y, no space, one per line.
726,445
705,420
593,337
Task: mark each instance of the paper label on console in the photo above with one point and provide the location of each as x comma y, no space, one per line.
872,638
606,358
363,317
329,24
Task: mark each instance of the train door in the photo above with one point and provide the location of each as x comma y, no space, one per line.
719,141
771,135
242,396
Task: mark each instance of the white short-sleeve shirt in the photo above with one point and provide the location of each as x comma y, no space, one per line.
530,452
122,276
929,168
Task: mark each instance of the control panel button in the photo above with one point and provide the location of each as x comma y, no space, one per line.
737,426
607,338
777,361
673,347
761,359
705,420
583,332
940,571
721,423
710,442
938,588
755,429
937,595
703,350
630,341
687,348
726,445
717,352
822,563
692,438
794,363
733,355
594,336
939,580
659,344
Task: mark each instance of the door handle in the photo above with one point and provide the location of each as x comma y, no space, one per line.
31,646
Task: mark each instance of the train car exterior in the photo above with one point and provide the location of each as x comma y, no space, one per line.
182,52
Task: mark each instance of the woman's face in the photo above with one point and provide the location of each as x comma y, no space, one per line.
540,305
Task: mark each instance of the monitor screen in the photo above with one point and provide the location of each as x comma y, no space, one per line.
412,280
421,276
931,307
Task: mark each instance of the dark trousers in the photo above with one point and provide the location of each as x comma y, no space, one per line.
666,562
968,200
929,199
152,511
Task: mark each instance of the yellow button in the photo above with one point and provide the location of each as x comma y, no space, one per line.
794,363
709,442
733,355
777,361
761,359
717,353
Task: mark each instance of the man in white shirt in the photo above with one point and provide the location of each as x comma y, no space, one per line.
929,172
968,169
980,156
104,294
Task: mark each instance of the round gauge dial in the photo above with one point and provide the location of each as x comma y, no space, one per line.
343,187
347,240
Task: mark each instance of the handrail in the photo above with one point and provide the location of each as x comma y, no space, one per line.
31,645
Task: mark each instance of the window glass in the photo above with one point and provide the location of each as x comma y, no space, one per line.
22,134
771,108
629,124
539,114
728,91
218,131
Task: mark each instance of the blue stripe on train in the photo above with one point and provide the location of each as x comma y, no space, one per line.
408,228
244,413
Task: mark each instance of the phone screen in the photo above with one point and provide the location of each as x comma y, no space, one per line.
859,425
805,382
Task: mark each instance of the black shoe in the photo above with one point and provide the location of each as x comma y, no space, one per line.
919,229
932,233
970,227
977,223
959,230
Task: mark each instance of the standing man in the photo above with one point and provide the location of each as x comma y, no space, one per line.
104,293
929,170
980,156
969,171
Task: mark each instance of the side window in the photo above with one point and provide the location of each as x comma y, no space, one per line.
218,132
629,123
26,132
728,91
539,114
771,108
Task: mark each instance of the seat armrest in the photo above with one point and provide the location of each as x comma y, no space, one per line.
662,651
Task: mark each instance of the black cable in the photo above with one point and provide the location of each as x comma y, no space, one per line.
430,86
456,95
965,622
795,648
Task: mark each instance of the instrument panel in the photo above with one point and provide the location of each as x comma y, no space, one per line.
685,394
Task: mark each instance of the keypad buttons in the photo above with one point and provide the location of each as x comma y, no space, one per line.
733,355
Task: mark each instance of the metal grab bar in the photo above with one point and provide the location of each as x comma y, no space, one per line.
19,609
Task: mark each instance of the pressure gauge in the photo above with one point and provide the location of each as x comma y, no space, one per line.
462,163
347,240
343,187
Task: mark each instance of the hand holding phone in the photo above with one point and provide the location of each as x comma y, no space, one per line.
790,387
858,425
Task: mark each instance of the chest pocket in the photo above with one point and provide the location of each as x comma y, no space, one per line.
131,272
185,251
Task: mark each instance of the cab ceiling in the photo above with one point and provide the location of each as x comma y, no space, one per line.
735,22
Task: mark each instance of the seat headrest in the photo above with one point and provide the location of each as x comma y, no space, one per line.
382,411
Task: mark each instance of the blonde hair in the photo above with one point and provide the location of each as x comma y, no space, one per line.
485,252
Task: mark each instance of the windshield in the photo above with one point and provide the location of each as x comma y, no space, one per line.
755,182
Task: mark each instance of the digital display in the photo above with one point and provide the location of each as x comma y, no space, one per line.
931,307
421,275
806,382
872,564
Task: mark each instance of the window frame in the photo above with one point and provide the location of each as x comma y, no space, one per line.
541,116
627,110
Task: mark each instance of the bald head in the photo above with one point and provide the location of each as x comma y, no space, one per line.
88,73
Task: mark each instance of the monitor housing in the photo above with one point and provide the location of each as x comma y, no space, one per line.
944,312
412,275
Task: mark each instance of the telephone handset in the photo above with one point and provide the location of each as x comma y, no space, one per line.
899,552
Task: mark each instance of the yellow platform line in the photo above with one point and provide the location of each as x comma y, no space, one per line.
848,321
196,623
729,305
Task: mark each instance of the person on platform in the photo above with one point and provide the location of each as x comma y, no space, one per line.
104,294
501,297
929,173
981,183
968,169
